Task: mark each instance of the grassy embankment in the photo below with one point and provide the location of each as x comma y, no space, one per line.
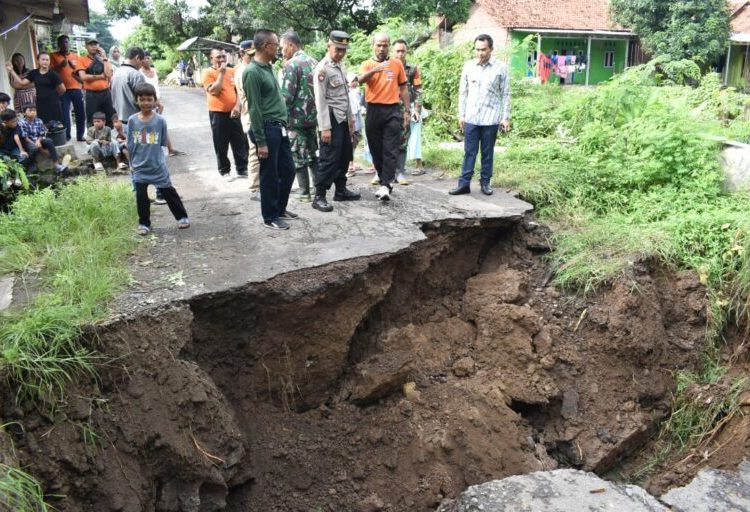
67,249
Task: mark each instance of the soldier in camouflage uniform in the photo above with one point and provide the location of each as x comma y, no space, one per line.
297,90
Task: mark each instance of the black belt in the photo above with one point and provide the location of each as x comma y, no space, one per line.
274,122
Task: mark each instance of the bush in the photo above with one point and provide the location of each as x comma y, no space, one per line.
163,67
441,74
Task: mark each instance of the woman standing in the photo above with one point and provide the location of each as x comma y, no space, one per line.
23,96
49,88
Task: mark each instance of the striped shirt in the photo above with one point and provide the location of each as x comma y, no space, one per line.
484,93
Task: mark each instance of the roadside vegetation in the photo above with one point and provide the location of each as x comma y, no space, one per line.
630,171
67,248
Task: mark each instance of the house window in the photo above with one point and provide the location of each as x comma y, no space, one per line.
609,59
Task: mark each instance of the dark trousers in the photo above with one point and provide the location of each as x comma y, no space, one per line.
47,144
383,127
74,97
14,154
276,173
227,130
99,101
334,158
144,204
475,135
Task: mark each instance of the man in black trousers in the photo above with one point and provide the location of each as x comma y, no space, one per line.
335,123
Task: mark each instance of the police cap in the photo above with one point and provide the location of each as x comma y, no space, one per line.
247,46
340,39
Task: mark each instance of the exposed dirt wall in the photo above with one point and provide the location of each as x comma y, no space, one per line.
382,383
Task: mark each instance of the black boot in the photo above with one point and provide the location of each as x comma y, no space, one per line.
320,203
344,194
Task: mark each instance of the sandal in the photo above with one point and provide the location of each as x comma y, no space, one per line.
183,223
143,230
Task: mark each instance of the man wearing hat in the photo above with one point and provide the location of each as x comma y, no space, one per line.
335,123
247,50
95,71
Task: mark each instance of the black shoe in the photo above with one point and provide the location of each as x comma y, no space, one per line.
486,189
461,189
276,224
287,215
346,195
320,204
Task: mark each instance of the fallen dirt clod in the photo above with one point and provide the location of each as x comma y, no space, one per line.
381,383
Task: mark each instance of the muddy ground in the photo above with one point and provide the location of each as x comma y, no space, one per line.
379,383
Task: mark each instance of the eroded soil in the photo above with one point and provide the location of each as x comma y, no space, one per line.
379,383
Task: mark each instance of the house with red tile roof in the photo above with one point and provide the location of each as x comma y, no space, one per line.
579,33
737,65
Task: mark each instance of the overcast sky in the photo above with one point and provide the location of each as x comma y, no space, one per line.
122,28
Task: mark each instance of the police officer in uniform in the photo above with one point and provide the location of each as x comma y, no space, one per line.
335,124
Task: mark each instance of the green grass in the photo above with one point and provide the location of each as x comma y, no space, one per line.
20,492
70,246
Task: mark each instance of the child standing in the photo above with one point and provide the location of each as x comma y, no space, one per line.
147,134
99,139
33,136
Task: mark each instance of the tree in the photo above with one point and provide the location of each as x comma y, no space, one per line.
230,20
682,29
99,24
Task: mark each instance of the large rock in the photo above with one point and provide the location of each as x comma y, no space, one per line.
563,490
735,159
713,491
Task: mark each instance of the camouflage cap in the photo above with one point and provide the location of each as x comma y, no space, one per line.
340,39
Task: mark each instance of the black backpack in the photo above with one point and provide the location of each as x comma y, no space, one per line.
95,68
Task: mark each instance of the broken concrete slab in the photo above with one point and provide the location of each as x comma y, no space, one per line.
562,490
227,245
6,291
713,491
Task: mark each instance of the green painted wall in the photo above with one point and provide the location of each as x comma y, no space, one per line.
573,46
735,77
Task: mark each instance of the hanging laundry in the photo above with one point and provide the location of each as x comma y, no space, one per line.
544,68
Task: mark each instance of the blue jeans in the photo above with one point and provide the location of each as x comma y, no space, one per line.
475,134
276,172
74,97
15,154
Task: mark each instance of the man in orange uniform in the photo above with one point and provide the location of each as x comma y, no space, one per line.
65,63
385,85
224,109
95,71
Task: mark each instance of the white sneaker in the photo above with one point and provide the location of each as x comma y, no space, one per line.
241,177
227,177
401,179
98,166
375,181
383,193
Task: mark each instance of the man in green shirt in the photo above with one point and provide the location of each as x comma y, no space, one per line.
268,120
